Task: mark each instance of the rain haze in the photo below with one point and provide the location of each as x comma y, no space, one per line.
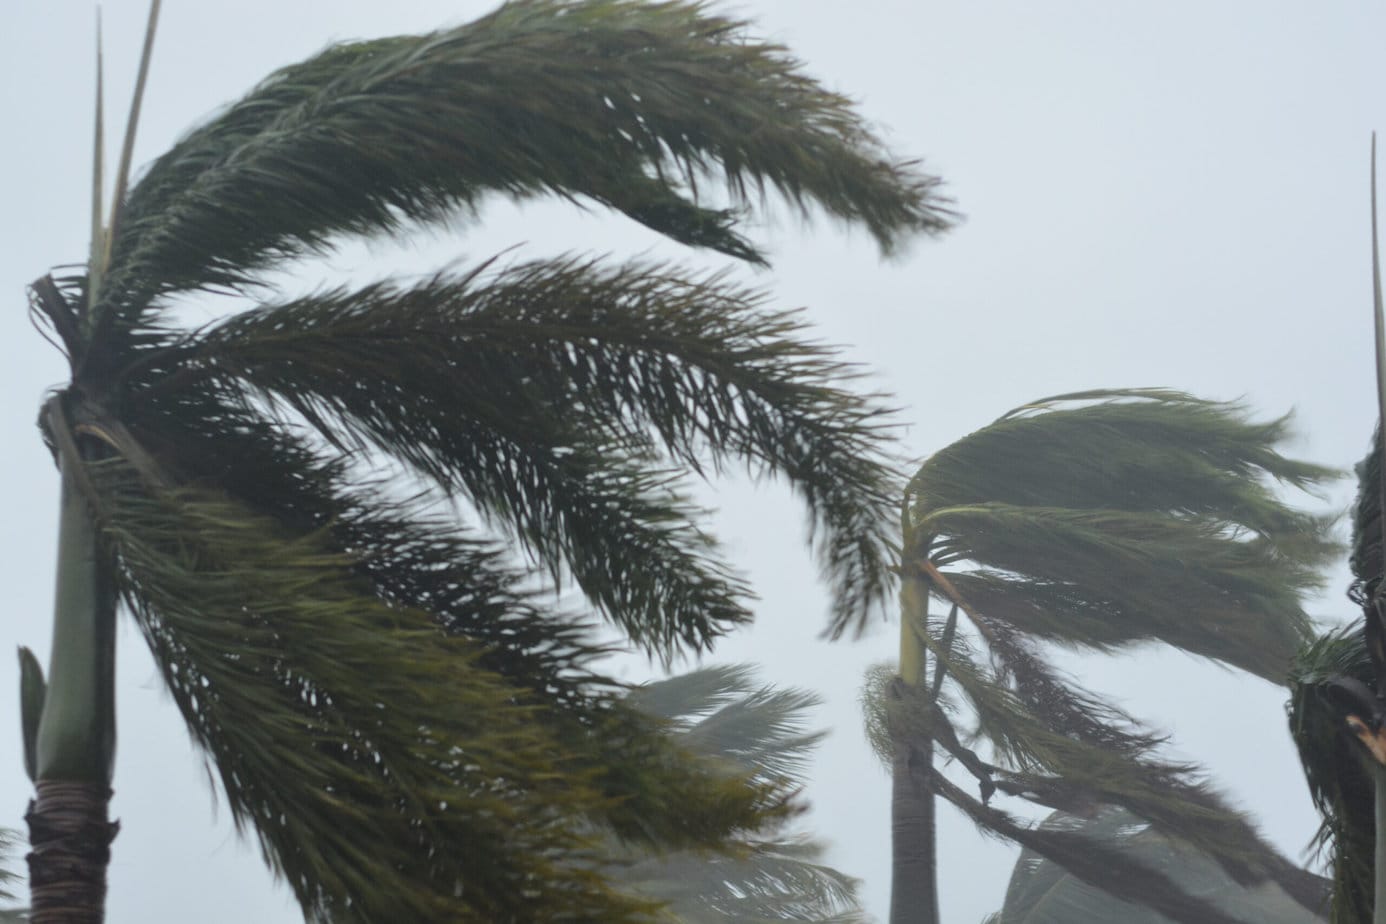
1168,194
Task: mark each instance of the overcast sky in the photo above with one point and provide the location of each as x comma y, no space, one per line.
1166,194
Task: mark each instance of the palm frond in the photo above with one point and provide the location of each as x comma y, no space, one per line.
1042,892
1138,514
1099,519
1118,873
537,392
1105,579
9,840
767,876
380,759
630,104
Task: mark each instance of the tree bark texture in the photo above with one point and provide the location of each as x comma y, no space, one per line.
70,837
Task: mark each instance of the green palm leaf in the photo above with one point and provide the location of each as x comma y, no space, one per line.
766,876
535,393
1134,515
1043,892
8,879
633,105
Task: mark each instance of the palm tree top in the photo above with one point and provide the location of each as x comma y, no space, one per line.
1101,520
293,601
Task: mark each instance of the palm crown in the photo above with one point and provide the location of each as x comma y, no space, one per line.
410,727
1096,520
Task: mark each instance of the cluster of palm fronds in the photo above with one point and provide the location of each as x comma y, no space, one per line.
1101,520
762,877
388,697
1043,892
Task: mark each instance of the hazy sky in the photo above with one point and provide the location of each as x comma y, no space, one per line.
1156,194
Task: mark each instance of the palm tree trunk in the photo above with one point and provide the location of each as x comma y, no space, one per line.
75,743
914,860
71,840
914,852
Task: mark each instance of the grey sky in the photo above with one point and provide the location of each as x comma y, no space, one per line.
1156,194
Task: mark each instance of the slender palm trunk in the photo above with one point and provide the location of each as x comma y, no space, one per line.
75,741
914,852
914,862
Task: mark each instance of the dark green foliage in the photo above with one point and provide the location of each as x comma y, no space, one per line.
558,398
1337,768
1136,515
630,104
378,669
1100,520
1339,774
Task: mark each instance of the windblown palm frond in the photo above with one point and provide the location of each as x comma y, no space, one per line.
1043,892
1100,520
391,698
633,105
767,876
8,879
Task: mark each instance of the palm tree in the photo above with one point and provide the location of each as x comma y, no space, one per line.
1094,520
410,726
764,876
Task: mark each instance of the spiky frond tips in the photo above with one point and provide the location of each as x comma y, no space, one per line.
411,734
1102,519
536,391
638,106
766,876
1127,515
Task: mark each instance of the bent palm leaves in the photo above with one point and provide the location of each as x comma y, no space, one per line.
8,915
1096,520
765,875
1043,892
413,732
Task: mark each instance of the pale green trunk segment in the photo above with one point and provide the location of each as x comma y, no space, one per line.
75,741
914,861
914,616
